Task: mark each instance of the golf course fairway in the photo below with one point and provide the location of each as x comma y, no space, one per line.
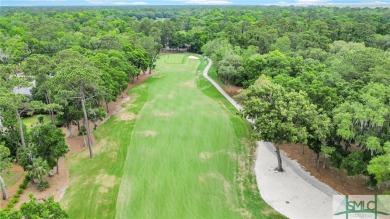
177,150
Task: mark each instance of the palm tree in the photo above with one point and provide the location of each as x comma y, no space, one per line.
38,169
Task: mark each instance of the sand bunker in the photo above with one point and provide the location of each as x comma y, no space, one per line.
192,57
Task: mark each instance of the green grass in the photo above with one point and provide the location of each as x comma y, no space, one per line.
213,74
33,120
186,155
11,178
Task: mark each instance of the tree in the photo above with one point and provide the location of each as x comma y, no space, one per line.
38,169
46,209
229,69
96,114
380,166
253,66
20,105
279,116
41,67
354,163
78,78
326,153
49,143
5,163
152,48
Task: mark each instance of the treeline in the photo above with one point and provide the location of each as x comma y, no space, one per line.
337,59
82,57
75,64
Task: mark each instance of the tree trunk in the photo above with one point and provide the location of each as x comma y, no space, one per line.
86,121
21,129
303,149
280,167
58,168
94,125
84,141
324,165
318,161
51,113
3,189
70,130
78,125
107,109
347,144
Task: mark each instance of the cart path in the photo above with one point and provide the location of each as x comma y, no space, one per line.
294,192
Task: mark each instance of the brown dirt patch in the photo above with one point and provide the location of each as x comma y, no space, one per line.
106,182
206,155
335,178
114,106
163,114
190,84
11,189
232,90
58,184
125,116
125,99
149,133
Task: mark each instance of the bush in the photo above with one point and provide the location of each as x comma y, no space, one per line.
19,192
354,163
14,200
40,119
43,185
337,157
82,131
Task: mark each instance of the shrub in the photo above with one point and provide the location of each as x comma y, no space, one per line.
43,185
40,119
354,163
19,192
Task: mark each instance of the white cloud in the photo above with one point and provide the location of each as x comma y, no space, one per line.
206,2
311,1
97,2
130,3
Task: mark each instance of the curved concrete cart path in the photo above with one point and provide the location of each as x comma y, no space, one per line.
294,193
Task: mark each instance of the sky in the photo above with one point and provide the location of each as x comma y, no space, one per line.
191,2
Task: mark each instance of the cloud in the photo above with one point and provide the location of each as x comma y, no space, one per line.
311,1
130,3
206,2
97,2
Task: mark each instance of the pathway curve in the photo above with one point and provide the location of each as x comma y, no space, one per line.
294,192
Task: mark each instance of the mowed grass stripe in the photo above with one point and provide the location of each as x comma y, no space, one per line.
178,150
179,163
94,183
